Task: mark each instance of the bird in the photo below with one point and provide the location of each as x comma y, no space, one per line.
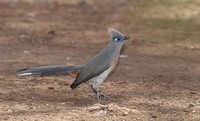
94,72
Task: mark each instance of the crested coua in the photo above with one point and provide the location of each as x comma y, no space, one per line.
94,72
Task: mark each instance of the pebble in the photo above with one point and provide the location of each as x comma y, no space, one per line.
153,116
193,92
1,77
51,88
190,105
27,52
22,36
123,56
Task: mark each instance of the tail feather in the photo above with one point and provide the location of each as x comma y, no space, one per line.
46,70
73,85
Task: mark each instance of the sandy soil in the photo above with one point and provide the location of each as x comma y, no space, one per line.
159,80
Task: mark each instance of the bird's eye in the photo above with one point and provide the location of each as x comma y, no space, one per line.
116,39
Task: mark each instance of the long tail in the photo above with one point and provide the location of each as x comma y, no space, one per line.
47,70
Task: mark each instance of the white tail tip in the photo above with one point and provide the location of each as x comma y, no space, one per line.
24,74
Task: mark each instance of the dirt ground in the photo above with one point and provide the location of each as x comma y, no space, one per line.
158,81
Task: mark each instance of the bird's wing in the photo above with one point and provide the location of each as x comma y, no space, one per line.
92,69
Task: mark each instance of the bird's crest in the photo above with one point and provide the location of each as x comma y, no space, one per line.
115,35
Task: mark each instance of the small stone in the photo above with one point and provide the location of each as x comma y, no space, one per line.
51,88
193,92
154,116
66,84
27,52
52,32
62,103
22,36
1,77
68,58
123,56
190,105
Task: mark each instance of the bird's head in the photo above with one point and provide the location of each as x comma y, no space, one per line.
116,36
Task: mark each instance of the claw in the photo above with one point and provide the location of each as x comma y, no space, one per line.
104,97
99,94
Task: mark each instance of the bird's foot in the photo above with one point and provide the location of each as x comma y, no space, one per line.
101,97
104,97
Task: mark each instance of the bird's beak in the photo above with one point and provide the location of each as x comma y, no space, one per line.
125,38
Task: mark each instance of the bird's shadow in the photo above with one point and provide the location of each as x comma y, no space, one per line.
73,99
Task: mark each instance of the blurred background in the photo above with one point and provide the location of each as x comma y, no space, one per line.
159,80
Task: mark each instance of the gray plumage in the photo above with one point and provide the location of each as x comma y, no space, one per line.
100,63
95,71
47,70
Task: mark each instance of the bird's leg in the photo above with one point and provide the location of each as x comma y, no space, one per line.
93,89
103,96
99,94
